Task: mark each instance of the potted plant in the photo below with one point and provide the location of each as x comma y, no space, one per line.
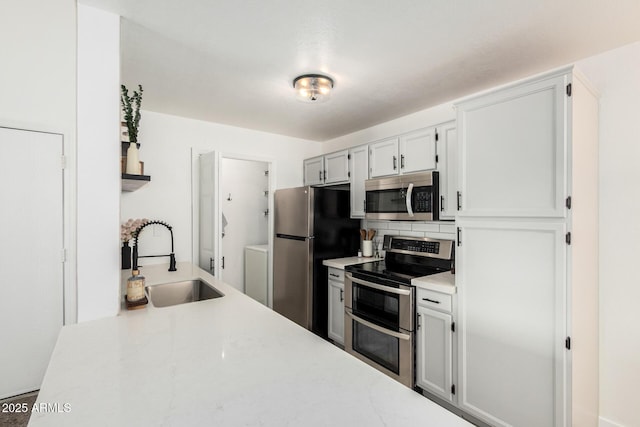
131,110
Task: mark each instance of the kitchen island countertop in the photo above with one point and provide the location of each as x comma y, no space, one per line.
227,362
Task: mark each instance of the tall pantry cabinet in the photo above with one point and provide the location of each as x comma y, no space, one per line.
527,267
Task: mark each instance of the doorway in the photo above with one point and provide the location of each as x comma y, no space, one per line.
232,218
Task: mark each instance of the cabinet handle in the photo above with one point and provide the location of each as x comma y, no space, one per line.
402,161
333,275
441,203
341,295
459,204
364,205
211,265
431,300
222,263
320,175
418,327
395,163
325,175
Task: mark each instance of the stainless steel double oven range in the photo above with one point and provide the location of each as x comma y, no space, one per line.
380,303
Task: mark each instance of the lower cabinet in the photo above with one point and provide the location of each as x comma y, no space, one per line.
434,344
336,305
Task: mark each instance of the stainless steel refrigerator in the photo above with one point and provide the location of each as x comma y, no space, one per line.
310,224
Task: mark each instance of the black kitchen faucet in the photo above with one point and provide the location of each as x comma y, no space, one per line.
136,234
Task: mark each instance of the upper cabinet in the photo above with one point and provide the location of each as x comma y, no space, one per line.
408,153
314,171
383,157
519,133
359,167
328,169
447,158
418,151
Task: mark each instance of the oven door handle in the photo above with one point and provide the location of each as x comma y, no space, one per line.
379,287
380,329
408,199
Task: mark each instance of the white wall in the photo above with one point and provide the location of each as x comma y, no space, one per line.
247,224
615,75
166,143
421,119
38,91
98,163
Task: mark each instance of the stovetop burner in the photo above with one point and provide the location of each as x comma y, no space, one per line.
408,258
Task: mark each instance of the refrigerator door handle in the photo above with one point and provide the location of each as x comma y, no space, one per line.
408,200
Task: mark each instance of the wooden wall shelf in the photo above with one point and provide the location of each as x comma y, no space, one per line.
134,182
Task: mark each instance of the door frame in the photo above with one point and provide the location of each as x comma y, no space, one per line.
195,207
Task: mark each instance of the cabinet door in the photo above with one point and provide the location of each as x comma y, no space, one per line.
418,151
337,167
314,171
336,311
434,352
359,167
447,151
512,149
511,281
383,158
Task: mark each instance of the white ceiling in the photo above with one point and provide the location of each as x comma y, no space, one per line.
233,62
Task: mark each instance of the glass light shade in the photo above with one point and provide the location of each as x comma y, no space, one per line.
313,87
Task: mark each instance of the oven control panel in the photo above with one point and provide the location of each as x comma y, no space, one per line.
429,247
421,246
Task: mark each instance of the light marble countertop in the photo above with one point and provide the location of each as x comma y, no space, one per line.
341,263
441,282
229,361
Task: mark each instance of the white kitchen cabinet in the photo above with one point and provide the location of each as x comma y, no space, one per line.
513,151
314,171
359,169
383,158
527,254
412,152
434,351
331,168
337,167
512,323
336,305
418,151
447,156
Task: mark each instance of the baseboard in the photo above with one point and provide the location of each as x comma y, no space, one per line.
606,423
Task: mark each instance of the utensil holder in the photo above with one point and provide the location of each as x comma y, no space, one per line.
367,248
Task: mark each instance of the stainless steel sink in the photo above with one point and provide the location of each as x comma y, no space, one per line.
169,294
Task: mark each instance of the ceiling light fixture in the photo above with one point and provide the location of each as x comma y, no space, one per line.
313,87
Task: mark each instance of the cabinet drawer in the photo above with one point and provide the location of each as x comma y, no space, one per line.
336,274
434,300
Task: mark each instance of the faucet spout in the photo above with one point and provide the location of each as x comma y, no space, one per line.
136,234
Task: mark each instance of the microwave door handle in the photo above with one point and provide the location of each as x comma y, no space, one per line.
408,200
378,328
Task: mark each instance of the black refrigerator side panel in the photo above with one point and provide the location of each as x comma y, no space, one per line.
335,235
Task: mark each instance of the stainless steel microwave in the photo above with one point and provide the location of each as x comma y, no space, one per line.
414,197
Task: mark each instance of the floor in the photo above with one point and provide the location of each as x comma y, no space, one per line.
12,410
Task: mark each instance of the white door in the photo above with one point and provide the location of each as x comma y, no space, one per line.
337,167
383,158
434,352
511,281
207,180
31,214
359,168
418,151
512,148
314,171
336,311
447,150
